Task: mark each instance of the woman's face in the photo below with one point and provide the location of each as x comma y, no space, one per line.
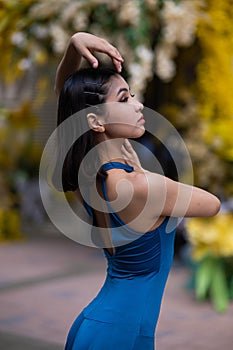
123,118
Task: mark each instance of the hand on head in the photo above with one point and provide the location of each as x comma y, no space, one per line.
86,44
83,45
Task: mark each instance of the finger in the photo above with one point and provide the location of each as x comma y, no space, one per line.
123,150
110,50
90,58
128,161
114,53
128,146
126,155
117,64
125,145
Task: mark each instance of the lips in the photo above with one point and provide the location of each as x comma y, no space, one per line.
141,120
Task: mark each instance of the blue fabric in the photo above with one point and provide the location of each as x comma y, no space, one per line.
124,314
118,165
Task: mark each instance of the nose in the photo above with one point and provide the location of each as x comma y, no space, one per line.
139,106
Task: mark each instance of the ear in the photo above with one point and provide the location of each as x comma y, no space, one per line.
95,122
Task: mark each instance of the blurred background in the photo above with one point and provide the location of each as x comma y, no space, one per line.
179,61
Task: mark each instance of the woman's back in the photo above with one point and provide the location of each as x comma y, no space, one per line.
129,301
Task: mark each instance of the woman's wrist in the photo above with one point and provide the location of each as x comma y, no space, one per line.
72,56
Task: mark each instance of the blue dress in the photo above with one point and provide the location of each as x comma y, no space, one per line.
124,314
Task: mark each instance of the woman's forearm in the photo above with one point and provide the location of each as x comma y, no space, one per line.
69,64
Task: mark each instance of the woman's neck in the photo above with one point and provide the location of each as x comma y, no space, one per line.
111,150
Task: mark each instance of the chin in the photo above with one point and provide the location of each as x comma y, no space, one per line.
140,131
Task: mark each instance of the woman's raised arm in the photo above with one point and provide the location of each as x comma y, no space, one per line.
84,45
171,198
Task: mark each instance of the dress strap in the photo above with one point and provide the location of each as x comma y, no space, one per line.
113,165
117,165
109,166
106,167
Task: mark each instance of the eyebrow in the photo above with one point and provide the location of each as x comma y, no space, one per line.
122,89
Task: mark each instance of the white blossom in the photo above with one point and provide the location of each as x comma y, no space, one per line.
141,71
164,65
114,4
70,12
40,32
151,4
18,39
80,21
97,2
46,9
145,55
129,13
136,81
25,64
180,21
60,38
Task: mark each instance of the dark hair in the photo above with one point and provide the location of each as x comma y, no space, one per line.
85,88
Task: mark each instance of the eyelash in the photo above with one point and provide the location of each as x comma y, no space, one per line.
125,99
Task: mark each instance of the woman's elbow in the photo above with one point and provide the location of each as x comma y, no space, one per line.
215,206
218,205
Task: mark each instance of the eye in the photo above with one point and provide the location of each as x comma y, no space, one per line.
124,99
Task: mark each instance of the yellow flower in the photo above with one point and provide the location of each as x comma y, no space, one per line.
9,224
23,117
215,75
211,236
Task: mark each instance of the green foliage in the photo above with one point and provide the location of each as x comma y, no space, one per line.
212,282
219,289
204,276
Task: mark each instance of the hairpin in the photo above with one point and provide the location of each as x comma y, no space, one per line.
88,105
91,92
92,83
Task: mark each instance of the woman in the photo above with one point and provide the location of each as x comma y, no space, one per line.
125,312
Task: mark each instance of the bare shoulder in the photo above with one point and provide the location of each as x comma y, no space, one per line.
141,181
134,185
121,183
132,198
